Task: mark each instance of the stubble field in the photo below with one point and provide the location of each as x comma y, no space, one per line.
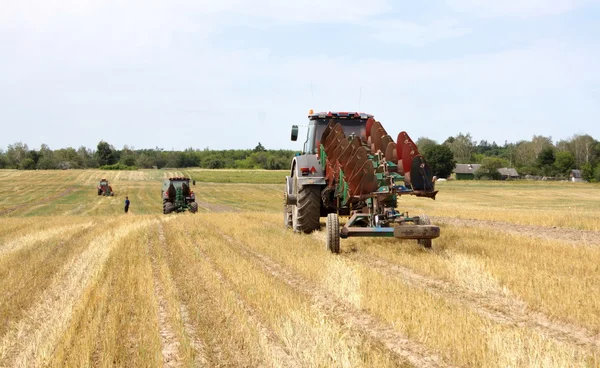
513,281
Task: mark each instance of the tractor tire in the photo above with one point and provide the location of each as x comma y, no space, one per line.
306,214
193,207
424,220
333,233
99,191
287,216
168,207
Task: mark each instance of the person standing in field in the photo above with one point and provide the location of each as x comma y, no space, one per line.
126,204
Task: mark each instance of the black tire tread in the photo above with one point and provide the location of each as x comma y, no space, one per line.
287,216
424,220
333,233
308,207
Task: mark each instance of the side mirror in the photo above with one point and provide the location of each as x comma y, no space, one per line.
294,132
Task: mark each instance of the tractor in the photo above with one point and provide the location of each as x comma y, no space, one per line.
350,166
104,189
177,196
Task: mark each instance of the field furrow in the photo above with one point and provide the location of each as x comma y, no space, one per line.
511,282
36,335
565,235
413,352
181,346
495,306
281,356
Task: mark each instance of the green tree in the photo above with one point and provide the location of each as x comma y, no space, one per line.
16,153
587,172
259,148
597,173
462,147
564,163
27,164
105,154
3,161
546,157
144,161
489,168
423,143
441,159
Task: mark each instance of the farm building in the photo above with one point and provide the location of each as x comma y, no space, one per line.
508,173
465,171
575,175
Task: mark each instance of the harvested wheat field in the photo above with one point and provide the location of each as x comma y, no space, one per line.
513,281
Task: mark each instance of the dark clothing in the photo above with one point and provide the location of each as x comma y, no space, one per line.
126,205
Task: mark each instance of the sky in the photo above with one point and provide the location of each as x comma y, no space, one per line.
228,74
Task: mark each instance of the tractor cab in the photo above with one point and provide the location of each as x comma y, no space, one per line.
353,123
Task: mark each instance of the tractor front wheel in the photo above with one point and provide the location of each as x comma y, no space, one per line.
333,233
193,207
306,213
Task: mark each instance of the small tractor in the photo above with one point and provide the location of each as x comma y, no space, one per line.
177,196
350,166
104,189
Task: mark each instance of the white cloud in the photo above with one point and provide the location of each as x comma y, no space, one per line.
518,8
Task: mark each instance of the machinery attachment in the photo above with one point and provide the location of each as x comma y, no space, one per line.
367,174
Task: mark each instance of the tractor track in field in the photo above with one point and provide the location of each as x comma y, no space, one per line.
276,345
215,207
495,307
567,235
169,341
358,320
31,341
42,201
170,344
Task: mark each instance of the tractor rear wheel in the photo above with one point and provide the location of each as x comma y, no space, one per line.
424,220
306,214
193,207
333,233
168,207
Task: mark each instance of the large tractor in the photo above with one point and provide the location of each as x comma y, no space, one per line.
104,189
177,196
350,166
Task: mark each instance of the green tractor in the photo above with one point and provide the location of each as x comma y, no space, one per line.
177,196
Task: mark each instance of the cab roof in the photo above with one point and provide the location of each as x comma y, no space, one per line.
339,115
179,178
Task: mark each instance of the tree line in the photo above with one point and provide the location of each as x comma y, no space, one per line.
107,157
539,156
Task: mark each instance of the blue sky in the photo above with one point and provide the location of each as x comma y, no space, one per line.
230,73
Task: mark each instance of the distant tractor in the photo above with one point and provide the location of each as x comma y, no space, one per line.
104,189
350,166
177,196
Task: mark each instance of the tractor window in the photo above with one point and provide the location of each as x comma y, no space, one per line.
309,144
356,127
